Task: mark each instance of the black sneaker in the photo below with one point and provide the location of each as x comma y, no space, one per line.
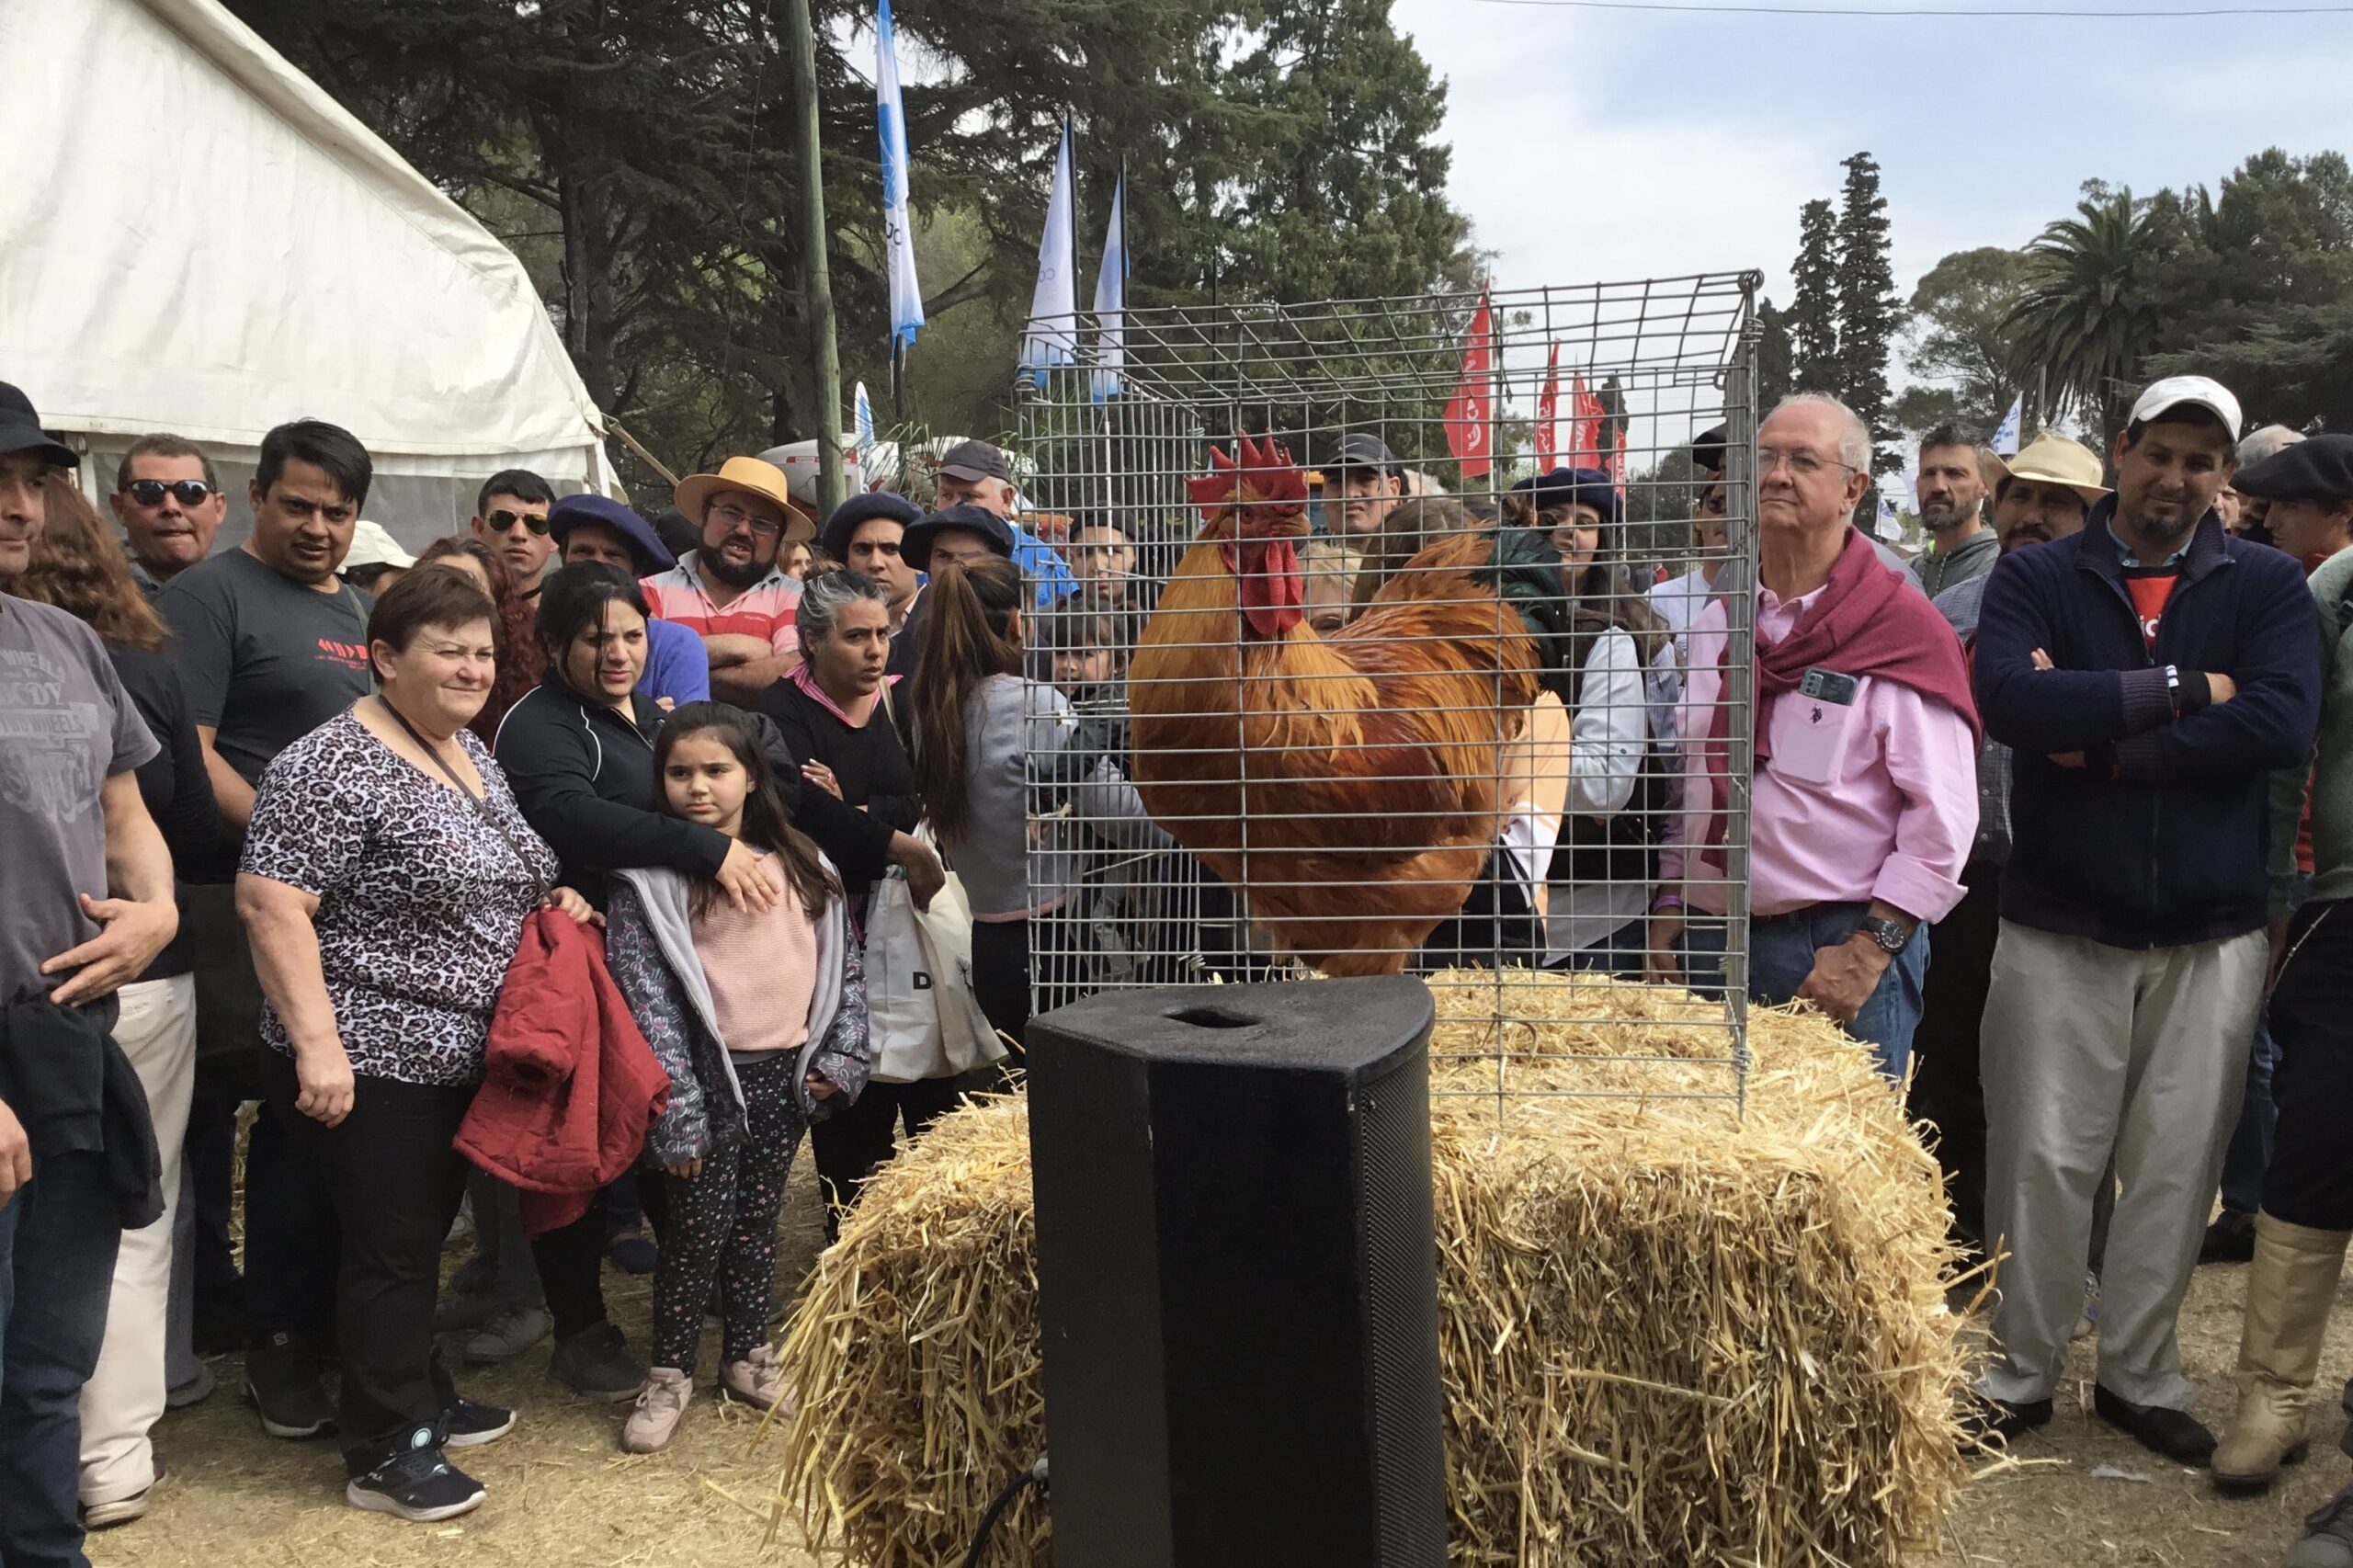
416,1483
471,1425
1991,1418
2230,1239
282,1383
596,1364
2171,1434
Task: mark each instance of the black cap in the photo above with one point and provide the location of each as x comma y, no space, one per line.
973,461
20,431
834,539
914,547
2320,469
1707,451
1362,450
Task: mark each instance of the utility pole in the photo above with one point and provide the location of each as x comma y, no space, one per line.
817,276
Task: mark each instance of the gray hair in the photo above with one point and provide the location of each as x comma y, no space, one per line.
2267,442
826,595
1854,441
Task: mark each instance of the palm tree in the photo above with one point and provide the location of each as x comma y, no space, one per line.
2090,312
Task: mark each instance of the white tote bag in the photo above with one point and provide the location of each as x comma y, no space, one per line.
923,1021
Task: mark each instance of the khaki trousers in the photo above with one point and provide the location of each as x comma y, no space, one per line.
2093,1054
125,1396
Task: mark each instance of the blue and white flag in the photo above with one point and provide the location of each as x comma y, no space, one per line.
2006,440
862,420
898,231
1052,335
1112,299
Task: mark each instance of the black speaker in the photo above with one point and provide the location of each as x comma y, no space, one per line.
1238,1276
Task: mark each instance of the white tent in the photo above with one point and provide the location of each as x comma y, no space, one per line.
195,237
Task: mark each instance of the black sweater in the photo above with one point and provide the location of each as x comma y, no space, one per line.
871,765
175,789
583,776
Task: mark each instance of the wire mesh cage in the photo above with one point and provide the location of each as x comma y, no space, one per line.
1376,655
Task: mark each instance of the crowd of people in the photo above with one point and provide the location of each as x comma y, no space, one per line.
536,874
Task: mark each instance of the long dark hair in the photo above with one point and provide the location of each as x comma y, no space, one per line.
77,567
767,825
573,600
968,636
1603,595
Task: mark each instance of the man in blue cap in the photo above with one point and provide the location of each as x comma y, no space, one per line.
594,527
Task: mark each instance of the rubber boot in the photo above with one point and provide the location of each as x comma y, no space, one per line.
2290,1285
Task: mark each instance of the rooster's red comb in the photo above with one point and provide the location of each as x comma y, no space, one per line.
1265,482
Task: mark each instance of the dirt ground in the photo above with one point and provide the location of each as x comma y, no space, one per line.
562,1494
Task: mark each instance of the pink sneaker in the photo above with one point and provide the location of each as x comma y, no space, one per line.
757,1381
661,1405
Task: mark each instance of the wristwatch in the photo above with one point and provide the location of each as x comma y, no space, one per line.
1892,935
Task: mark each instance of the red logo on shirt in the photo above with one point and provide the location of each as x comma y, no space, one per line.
350,655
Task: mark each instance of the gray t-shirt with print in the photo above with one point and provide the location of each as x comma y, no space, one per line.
66,726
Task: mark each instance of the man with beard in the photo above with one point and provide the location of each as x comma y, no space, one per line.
170,505
2148,673
729,590
2049,488
1952,494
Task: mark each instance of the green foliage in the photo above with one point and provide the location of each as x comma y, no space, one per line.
2089,308
1813,310
1868,307
636,154
1962,349
1776,355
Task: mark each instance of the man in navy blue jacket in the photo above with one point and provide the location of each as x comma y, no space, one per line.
2149,672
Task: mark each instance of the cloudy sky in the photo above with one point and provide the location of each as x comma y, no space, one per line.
1606,144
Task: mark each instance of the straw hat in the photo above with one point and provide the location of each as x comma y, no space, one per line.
754,477
2055,459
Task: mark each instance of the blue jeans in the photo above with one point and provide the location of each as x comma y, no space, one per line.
62,1266
1781,955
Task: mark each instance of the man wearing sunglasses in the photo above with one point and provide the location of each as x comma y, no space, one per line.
511,522
169,501
728,590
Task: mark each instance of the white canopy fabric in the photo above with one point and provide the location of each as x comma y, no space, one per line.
195,237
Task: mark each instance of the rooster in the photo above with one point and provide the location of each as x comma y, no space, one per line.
1347,782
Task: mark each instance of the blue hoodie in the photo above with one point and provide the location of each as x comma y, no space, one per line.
2159,841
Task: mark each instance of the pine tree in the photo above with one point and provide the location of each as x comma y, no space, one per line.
1868,309
1776,373
1813,318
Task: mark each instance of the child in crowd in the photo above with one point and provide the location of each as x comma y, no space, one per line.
760,1019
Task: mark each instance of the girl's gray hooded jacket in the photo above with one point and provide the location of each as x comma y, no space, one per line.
650,948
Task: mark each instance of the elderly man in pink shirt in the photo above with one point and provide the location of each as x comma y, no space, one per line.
1864,803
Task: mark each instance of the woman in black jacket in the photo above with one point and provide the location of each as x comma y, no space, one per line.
578,750
859,791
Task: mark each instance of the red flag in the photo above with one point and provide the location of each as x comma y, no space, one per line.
1585,431
1471,412
1548,412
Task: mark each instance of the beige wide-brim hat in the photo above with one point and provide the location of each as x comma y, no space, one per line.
2055,459
758,478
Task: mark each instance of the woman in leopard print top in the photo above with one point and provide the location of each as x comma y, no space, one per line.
386,879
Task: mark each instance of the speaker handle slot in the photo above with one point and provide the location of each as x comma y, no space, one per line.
1207,1017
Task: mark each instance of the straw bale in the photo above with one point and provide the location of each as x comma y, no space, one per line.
1675,1327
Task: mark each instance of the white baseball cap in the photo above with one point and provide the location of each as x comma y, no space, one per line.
374,545
2199,391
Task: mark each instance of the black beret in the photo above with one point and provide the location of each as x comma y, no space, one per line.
2320,469
835,537
916,547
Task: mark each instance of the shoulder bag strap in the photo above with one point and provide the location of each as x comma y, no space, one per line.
480,806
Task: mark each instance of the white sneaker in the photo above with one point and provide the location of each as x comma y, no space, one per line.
757,1381
661,1405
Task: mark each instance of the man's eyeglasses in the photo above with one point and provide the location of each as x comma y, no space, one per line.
186,492
730,516
502,520
1802,463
